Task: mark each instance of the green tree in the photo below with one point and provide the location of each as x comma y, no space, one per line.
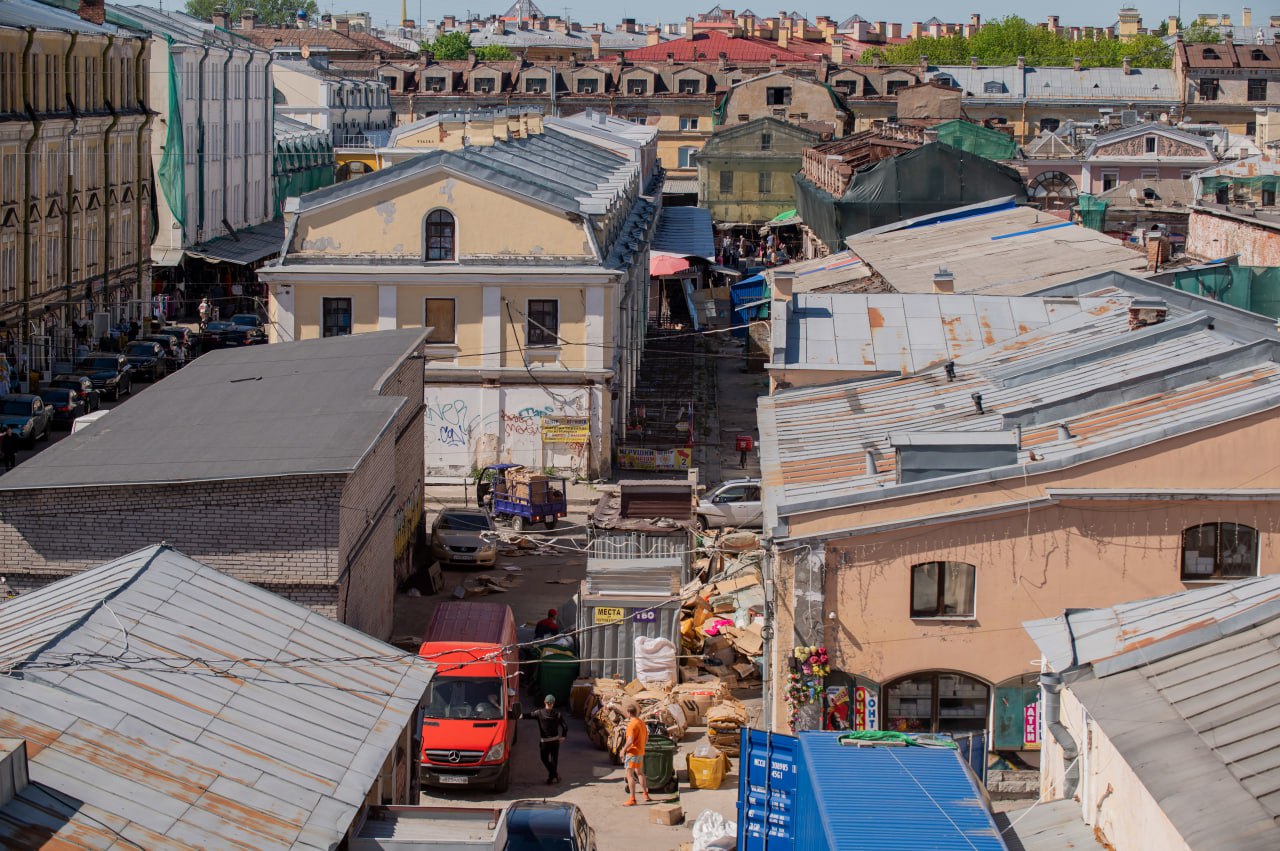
1002,41
454,45
493,52
1198,33
270,12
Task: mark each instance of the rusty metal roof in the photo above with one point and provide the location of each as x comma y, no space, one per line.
1114,388
166,705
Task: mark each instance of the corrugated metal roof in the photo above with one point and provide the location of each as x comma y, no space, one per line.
892,332
1005,251
314,407
244,247
133,743
28,13
896,798
1047,826
685,232
1159,85
1113,387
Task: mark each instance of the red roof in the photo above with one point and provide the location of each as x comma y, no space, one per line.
707,46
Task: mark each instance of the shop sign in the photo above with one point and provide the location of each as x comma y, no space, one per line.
655,459
566,429
1031,726
608,614
866,709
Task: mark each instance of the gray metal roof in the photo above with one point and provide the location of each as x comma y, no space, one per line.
892,332
1187,689
1047,826
1151,128
29,13
132,742
1203,366
1155,85
245,246
686,232
999,251
280,410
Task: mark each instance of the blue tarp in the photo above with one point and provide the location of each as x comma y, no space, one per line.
745,299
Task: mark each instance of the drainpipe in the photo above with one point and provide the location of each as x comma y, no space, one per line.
248,134
199,154
269,143
142,157
28,162
1052,684
226,134
107,173
70,187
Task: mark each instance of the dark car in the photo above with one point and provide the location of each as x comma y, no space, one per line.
243,336
111,373
27,416
66,405
246,320
147,360
83,385
169,345
179,332
548,826
212,337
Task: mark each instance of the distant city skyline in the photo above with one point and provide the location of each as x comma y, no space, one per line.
1099,13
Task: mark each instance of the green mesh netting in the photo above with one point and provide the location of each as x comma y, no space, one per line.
977,139
172,172
1093,211
1252,288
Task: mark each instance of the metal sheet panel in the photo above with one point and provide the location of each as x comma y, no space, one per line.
768,777
607,649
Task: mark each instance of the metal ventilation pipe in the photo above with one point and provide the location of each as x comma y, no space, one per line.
1052,685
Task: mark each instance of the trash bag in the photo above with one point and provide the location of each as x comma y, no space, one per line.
655,660
714,832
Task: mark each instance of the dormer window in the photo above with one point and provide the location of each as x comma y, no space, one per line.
993,87
689,87
637,87
1209,53
1258,55
588,86
536,85
484,85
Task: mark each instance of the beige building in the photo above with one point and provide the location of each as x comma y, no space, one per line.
786,97
524,254
75,175
1083,454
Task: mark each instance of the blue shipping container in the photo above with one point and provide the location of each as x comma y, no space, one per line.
812,793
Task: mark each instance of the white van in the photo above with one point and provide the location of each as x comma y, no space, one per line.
83,422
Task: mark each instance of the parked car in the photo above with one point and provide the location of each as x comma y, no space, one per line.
147,360
541,825
26,415
212,334
67,405
169,345
464,536
247,320
179,332
110,372
243,336
733,503
83,385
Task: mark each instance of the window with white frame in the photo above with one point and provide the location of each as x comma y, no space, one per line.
686,156
688,122
440,237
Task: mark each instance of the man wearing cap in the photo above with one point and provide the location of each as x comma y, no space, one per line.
547,626
551,732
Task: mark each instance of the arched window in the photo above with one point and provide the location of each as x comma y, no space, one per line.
936,702
942,589
1219,551
1209,53
1052,190
440,241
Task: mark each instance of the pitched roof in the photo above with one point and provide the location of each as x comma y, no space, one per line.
41,16
1159,85
315,405
167,705
327,39
709,45
1151,128
1186,688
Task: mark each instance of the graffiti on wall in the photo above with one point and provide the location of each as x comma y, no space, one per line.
451,423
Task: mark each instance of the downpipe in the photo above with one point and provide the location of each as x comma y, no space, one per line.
1052,684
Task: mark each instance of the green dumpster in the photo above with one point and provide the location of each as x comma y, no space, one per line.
557,669
659,763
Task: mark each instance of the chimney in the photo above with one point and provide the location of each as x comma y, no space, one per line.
837,50
924,64
773,60
977,403
220,18
671,58
13,762
1127,65
1075,63
1246,17
723,62
1148,311
652,36
688,29
784,33
595,45
1172,24
343,26
1022,63
895,30
944,281
248,18
917,29
975,21
449,22
749,25
882,27
93,11
1053,23
973,62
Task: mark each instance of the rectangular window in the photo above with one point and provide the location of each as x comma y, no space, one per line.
688,87
1208,88
686,157
484,85
777,95
726,181
942,589
766,141
1109,180
1219,551
1150,146
587,86
637,87
536,85
441,319
688,122
765,182
894,86
543,325
336,317
1257,90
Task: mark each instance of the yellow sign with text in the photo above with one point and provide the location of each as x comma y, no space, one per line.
566,429
609,614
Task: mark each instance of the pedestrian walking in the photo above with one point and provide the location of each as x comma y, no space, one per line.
633,756
204,310
551,732
9,448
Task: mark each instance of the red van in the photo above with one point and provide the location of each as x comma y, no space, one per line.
469,725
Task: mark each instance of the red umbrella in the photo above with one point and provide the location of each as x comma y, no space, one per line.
665,264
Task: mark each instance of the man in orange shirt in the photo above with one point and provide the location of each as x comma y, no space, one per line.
633,755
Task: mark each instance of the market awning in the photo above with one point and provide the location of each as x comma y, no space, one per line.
685,232
666,264
725,270
680,186
790,217
166,256
245,246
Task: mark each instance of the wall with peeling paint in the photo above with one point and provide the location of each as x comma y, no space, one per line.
1211,236
489,224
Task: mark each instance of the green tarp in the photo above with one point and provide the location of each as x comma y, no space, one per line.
1252,288
1093,211
977,139
172,173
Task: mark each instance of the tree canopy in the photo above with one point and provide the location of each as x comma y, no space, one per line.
1198,33
456,45
270,12
1002,41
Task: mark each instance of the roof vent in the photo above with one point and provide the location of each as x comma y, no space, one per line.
1064,432
944,281
977,402
1144,312
931,454
950,369
13,769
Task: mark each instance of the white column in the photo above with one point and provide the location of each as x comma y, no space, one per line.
282,328
595,328
386,307
491,329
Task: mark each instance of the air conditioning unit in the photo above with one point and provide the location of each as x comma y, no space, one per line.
437,87
1128,117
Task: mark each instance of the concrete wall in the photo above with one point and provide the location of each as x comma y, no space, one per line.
810,102
1210,236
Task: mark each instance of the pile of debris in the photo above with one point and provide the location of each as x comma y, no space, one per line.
723,614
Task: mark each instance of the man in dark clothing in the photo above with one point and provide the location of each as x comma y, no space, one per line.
547,626
9,449
551,732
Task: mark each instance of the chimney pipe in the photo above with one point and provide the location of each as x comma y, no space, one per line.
950,369
973,62
924,64
653,36
1075,63
1127,64
977,402
220,18
93,11
688,29
837,50
944,281
1022,63
248,18
595,45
